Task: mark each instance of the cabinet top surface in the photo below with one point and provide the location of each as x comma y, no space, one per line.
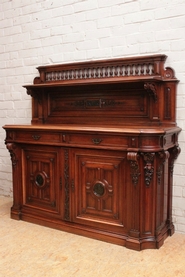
79,128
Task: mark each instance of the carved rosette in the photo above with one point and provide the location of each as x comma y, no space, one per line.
134,167
148,168
12,149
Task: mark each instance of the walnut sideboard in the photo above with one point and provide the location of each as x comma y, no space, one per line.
97,158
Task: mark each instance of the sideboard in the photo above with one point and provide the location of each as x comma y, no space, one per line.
97,158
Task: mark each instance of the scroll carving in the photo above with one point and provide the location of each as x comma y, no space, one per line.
134,167
151,88
12,149
66,178
37,80
95,103
149,168
169,73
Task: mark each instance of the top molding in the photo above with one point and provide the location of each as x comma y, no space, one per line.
150,67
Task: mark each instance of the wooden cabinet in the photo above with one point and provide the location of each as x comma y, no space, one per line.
97,159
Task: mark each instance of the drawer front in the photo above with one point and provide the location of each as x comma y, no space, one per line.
99,140
38,137
112,141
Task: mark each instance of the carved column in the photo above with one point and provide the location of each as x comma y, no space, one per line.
161,192
66,178
134,196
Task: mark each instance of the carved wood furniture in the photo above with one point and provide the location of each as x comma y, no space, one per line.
97,159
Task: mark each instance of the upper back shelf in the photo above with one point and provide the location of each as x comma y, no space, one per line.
150,67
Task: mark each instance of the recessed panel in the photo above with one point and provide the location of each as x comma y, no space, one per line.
99,189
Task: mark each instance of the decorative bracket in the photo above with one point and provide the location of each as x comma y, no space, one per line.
174,152
11,148
35,94
151,89
134,167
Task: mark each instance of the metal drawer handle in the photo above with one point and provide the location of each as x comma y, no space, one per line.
36,137
96,141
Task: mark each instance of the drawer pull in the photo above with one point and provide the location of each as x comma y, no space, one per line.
96,141
36,137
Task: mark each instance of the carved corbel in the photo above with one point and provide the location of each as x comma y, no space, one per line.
174,152
35,94
134,167
11,148
148,168
151,89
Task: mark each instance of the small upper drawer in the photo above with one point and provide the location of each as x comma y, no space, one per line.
100,140
37,136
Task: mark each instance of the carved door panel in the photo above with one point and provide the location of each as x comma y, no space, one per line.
41,182
99,189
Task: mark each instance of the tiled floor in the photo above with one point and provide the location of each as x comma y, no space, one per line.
34,251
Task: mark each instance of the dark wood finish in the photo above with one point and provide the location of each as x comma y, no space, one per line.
97,159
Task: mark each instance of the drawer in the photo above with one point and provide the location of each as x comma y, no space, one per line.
100,140
37,136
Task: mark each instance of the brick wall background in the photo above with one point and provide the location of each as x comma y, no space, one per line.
39,32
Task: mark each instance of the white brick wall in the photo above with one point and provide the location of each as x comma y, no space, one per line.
39,32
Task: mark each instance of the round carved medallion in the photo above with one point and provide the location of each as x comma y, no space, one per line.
98,189
40,179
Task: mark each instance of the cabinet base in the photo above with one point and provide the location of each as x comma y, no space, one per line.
102,235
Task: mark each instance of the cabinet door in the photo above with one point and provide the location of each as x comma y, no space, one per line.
41,181
99,189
